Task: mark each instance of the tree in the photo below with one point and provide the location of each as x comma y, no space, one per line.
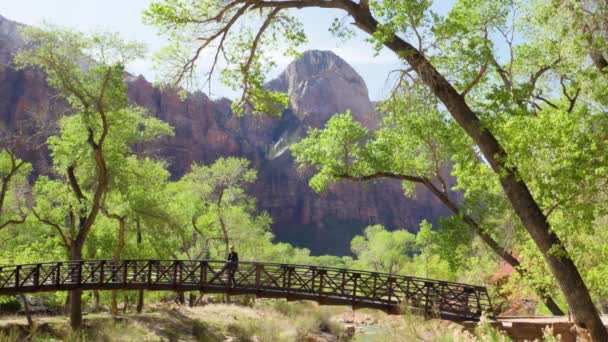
229,210
13,188
415,144
461,46
221,208
383,251
138,195
88,71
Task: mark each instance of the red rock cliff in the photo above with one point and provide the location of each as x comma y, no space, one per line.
320,84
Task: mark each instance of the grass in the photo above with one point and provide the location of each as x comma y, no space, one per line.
265,320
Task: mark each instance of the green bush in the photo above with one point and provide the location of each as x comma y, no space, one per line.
10,306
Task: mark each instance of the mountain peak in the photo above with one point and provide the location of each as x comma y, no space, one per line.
10,42
321,84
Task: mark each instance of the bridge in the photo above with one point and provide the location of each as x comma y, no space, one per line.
332,286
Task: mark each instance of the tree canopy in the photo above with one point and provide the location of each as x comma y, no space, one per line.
489,96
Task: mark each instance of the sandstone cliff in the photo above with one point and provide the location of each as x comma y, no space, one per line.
319,85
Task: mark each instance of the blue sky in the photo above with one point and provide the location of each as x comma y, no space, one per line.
124,16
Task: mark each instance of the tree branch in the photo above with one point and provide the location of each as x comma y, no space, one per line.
478,78
64,239
256,41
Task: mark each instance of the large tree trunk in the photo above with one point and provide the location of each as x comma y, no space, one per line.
140,301
76,295
563,268
222,223
28,313
192,299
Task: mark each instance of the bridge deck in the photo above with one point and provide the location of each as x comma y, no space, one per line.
388,292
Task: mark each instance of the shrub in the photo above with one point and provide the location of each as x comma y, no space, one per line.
10,306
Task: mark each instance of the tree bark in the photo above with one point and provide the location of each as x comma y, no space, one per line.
26,308
191,299
222,224
76,295
140,301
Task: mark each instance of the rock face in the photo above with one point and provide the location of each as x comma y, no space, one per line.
319,85
9,39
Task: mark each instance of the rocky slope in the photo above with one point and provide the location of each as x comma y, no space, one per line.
319,84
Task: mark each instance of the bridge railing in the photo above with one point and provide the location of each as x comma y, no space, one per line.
324,284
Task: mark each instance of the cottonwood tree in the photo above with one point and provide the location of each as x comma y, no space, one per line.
383,251
454,56
415,144
138,195
222,211
88,71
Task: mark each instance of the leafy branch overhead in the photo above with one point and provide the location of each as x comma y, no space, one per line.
241,37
